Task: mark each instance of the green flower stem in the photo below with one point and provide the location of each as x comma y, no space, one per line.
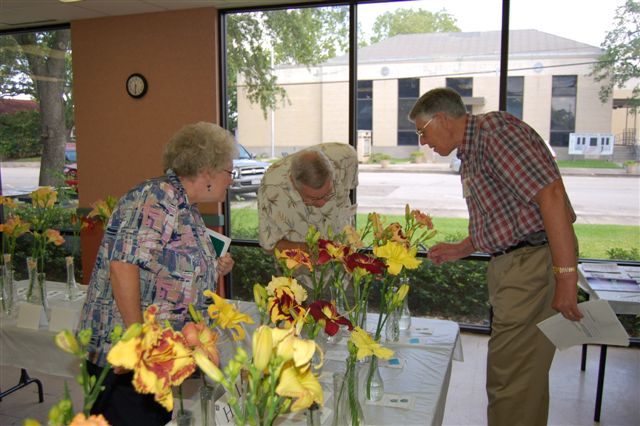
92,395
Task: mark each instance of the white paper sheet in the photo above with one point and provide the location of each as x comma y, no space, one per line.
599,325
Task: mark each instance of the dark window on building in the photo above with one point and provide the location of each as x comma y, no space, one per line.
515,96
464,87
563,109
365,105
408,94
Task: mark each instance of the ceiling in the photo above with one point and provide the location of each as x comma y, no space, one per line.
17,14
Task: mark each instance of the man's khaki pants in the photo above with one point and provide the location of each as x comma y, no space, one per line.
521,288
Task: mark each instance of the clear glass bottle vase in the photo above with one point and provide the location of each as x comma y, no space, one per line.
392,326
347,410
9,293
207,405
374,384
72,286
405,314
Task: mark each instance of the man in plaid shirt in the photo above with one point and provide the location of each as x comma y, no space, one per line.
520,214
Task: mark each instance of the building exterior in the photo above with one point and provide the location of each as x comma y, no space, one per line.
548,86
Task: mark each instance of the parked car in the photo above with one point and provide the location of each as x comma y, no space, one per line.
71,166
247,172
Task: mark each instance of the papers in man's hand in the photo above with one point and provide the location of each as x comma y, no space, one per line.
599,325
220,242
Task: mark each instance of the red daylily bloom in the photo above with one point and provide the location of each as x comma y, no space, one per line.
323,310
371,264
330,250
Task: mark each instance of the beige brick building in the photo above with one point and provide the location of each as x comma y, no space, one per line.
549,87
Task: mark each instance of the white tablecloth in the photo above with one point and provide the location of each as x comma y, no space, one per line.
35,350
425,375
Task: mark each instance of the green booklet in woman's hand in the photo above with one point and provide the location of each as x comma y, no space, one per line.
220,242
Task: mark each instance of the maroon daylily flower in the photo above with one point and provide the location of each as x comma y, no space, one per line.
371,264
323,310
330,250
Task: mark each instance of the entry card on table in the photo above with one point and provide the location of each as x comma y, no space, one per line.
63,318
31,316
393,400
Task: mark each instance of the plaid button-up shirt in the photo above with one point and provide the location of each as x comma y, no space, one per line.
505,163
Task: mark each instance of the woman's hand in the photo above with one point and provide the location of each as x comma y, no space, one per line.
225,264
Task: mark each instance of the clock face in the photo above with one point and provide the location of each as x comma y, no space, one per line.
136,85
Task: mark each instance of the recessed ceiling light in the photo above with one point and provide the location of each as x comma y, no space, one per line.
69,1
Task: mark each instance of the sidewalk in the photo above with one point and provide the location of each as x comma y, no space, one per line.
444,168
421,168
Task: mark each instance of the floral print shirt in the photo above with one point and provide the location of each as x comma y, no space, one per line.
283,214
155,227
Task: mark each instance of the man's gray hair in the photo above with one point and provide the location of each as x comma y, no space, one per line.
437,100
199,147
312,168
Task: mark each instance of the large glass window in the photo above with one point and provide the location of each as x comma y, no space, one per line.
365,105
408,93
563,108
444,44
515,95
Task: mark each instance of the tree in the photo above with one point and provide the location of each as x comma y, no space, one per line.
36,64
409,21
620,62
259,41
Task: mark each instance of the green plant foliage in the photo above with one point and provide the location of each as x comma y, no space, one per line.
408,21
20,135
618,253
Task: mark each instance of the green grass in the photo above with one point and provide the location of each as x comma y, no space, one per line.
594,240
588,164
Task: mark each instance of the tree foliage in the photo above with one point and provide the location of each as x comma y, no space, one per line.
620,62
259,41
408,21
37,64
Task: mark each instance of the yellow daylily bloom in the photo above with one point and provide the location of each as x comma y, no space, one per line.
397,256
296,349
44,197
367,346
53,236
262,344
276,283
227,316
159,358
7,201
93,420
14,227
304,386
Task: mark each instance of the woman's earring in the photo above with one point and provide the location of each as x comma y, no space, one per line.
208,187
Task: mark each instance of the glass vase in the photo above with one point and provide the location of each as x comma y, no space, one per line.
72,286
207,405
374,384
347,410
9,293
184,418
405,313
314,415
392,327
32,274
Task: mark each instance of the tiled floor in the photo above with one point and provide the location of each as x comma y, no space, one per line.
572,391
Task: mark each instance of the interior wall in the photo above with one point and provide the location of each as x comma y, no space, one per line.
120,139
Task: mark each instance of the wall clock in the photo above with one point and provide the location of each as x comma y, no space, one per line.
137,85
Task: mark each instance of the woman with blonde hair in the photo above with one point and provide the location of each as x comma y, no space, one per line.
156,250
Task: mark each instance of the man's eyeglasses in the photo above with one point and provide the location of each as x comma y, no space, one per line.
420,132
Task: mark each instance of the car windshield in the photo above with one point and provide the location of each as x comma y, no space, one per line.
243,154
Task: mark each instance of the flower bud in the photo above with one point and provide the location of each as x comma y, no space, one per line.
133,331
262,347
208,367
67,341
260,295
